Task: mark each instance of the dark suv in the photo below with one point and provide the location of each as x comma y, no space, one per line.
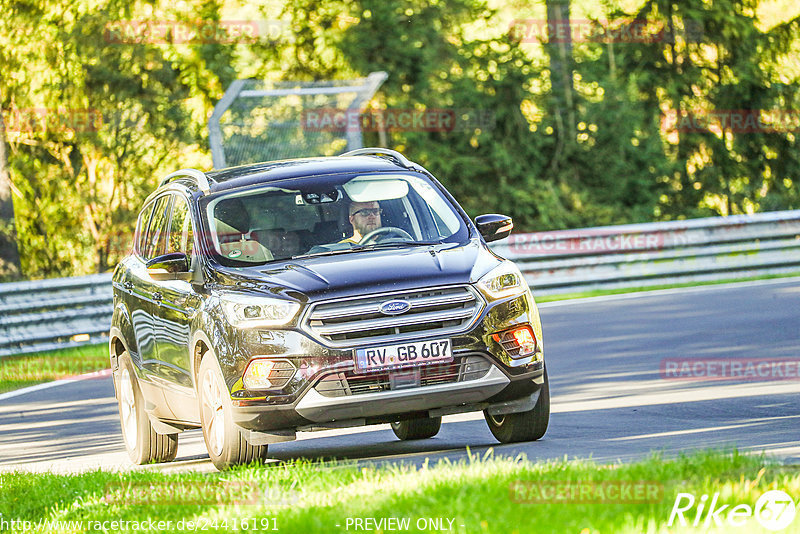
318,293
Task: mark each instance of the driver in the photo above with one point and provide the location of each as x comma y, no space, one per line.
365,218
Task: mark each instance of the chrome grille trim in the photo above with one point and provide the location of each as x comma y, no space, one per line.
393,321
357,321
416,303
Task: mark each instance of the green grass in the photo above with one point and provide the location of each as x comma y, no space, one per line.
623,290
22,371
479,494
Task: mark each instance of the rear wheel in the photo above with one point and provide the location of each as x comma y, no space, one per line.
417,428
226,445
523,426
143,443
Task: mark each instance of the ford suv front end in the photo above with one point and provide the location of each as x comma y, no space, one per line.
321,293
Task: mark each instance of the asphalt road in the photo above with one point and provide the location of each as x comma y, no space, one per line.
612,398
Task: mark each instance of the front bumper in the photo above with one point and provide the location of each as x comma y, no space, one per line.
303,404
317,408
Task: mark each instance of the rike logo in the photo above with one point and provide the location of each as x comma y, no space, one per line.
774,510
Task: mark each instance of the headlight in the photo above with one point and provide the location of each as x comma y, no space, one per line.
246,311
505,280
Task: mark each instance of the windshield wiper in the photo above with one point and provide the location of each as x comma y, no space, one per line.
373,246
327,253
398,244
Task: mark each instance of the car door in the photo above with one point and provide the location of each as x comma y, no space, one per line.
172,317
135,292
145,294
141,285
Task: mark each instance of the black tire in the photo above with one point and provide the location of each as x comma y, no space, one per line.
523,426
143,443
417,428
225,444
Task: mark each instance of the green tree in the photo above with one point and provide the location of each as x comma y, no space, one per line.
715,59
111,118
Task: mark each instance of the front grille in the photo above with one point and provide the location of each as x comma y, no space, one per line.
347,383
359,321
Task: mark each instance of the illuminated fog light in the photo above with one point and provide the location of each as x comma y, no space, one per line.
262,373
524,338
517,342
257,374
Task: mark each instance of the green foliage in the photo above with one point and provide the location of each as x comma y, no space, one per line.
717,59
109,120
600,154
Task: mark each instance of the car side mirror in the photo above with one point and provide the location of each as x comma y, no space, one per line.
493,226
172,266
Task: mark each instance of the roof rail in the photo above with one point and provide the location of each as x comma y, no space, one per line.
199,176
375,151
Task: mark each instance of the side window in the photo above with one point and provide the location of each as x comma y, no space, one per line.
157,231
141,229
180,229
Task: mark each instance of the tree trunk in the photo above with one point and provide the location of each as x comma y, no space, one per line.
9,253
559,48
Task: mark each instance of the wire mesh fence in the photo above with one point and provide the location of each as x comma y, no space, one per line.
263,121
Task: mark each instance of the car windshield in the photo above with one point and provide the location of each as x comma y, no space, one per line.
330,216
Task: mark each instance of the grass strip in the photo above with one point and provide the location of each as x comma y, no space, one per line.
479,494
23,371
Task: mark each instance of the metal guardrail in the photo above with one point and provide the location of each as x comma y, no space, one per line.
53,314
50,314
640,255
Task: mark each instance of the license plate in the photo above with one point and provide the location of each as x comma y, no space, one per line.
403,355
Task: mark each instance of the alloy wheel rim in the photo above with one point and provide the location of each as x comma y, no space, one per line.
127,409
213,413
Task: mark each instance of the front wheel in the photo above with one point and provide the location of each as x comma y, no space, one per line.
417,428
226,445
143,443
523,426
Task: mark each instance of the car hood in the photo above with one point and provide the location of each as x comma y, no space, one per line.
372,271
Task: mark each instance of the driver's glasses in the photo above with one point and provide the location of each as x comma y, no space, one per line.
366,212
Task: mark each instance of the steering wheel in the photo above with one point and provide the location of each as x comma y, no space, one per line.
376,235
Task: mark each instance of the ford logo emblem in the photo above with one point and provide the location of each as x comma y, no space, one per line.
395,307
